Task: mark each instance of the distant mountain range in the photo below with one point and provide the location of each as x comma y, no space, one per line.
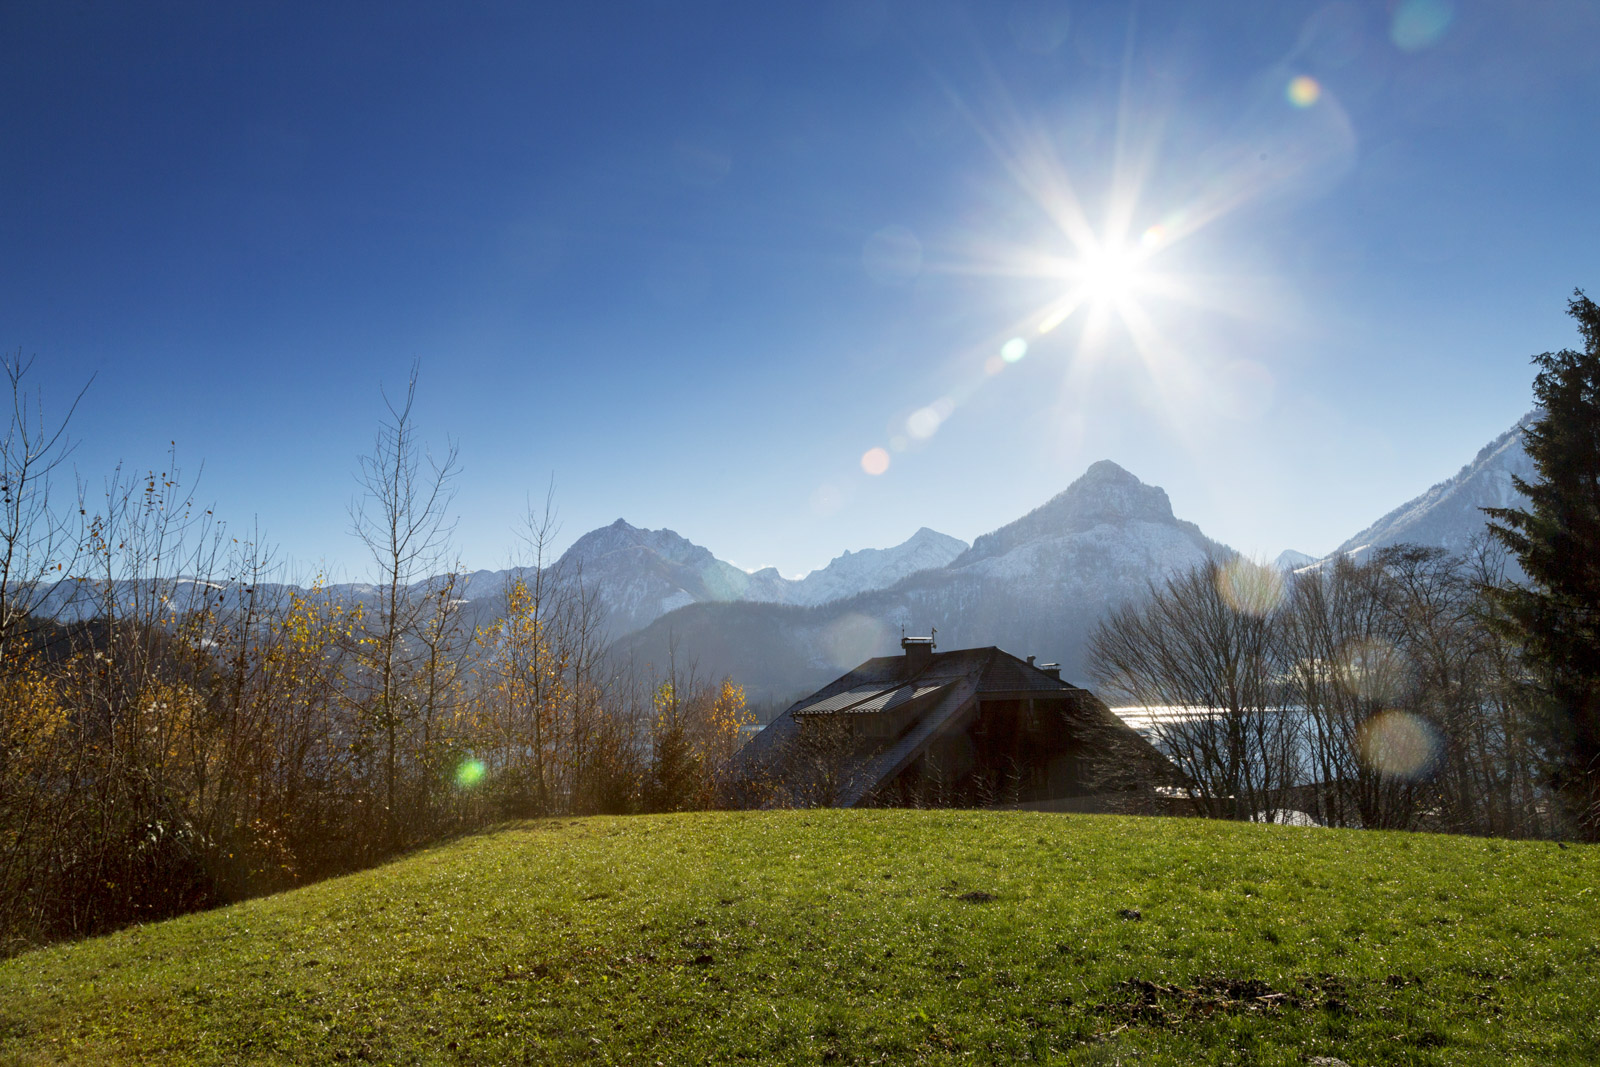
640,575
1034,586
1037,585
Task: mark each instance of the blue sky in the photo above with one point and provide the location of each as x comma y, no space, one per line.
696,260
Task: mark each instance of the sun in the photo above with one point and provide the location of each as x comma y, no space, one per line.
1120,283
1104,278
1109,274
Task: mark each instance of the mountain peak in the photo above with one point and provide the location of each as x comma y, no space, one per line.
1105,468
1109,493
1290,560
624,536
1104,495
877,568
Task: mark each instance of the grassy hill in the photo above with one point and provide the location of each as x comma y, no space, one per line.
859,937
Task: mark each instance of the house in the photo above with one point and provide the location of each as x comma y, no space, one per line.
972,727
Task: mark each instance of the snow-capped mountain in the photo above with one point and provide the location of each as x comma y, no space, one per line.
870,568
1450,515
639,575
1036,585
1289,560
1107,517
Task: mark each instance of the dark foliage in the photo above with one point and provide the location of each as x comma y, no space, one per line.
1556,538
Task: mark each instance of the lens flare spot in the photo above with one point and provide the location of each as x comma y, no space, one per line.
701,164
892,256
826,500
1250,587
1420,23
1039,26
1013,350
1398,744
993,365
875,461
1052,320
1303,91
1154,237
854,639
1371,668
470,773
923,423
1244,390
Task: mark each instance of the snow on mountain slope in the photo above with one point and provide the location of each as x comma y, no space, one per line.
1449,515
1290,560
1034,586
639,575
874,568
1104,496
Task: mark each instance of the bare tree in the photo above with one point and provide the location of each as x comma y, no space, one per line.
1198,655
401,518
39,539
1344,668
1415,711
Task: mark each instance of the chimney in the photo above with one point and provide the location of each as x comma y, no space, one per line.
1030,661
919,653
1052,669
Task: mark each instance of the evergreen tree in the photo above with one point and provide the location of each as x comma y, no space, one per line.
1555,614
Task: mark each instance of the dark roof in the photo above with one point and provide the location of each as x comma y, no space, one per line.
995,670
860,780
885,683
1007,672
953,683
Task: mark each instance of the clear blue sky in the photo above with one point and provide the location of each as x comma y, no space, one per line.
695,260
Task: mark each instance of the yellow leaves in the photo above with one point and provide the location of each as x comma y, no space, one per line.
167,726
728,709
32,714
726,721
712,719
314,623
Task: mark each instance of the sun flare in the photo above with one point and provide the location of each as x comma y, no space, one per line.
1109,274
1116,292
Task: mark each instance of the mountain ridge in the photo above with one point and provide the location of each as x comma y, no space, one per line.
1036,585
1449,514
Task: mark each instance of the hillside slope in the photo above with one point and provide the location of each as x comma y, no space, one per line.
1449,515
855,937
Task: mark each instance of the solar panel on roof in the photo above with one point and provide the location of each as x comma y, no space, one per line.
868,699
904,695
888,701
848,698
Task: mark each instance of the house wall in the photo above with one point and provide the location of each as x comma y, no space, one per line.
1009,751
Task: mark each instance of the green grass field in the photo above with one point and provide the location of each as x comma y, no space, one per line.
861,937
